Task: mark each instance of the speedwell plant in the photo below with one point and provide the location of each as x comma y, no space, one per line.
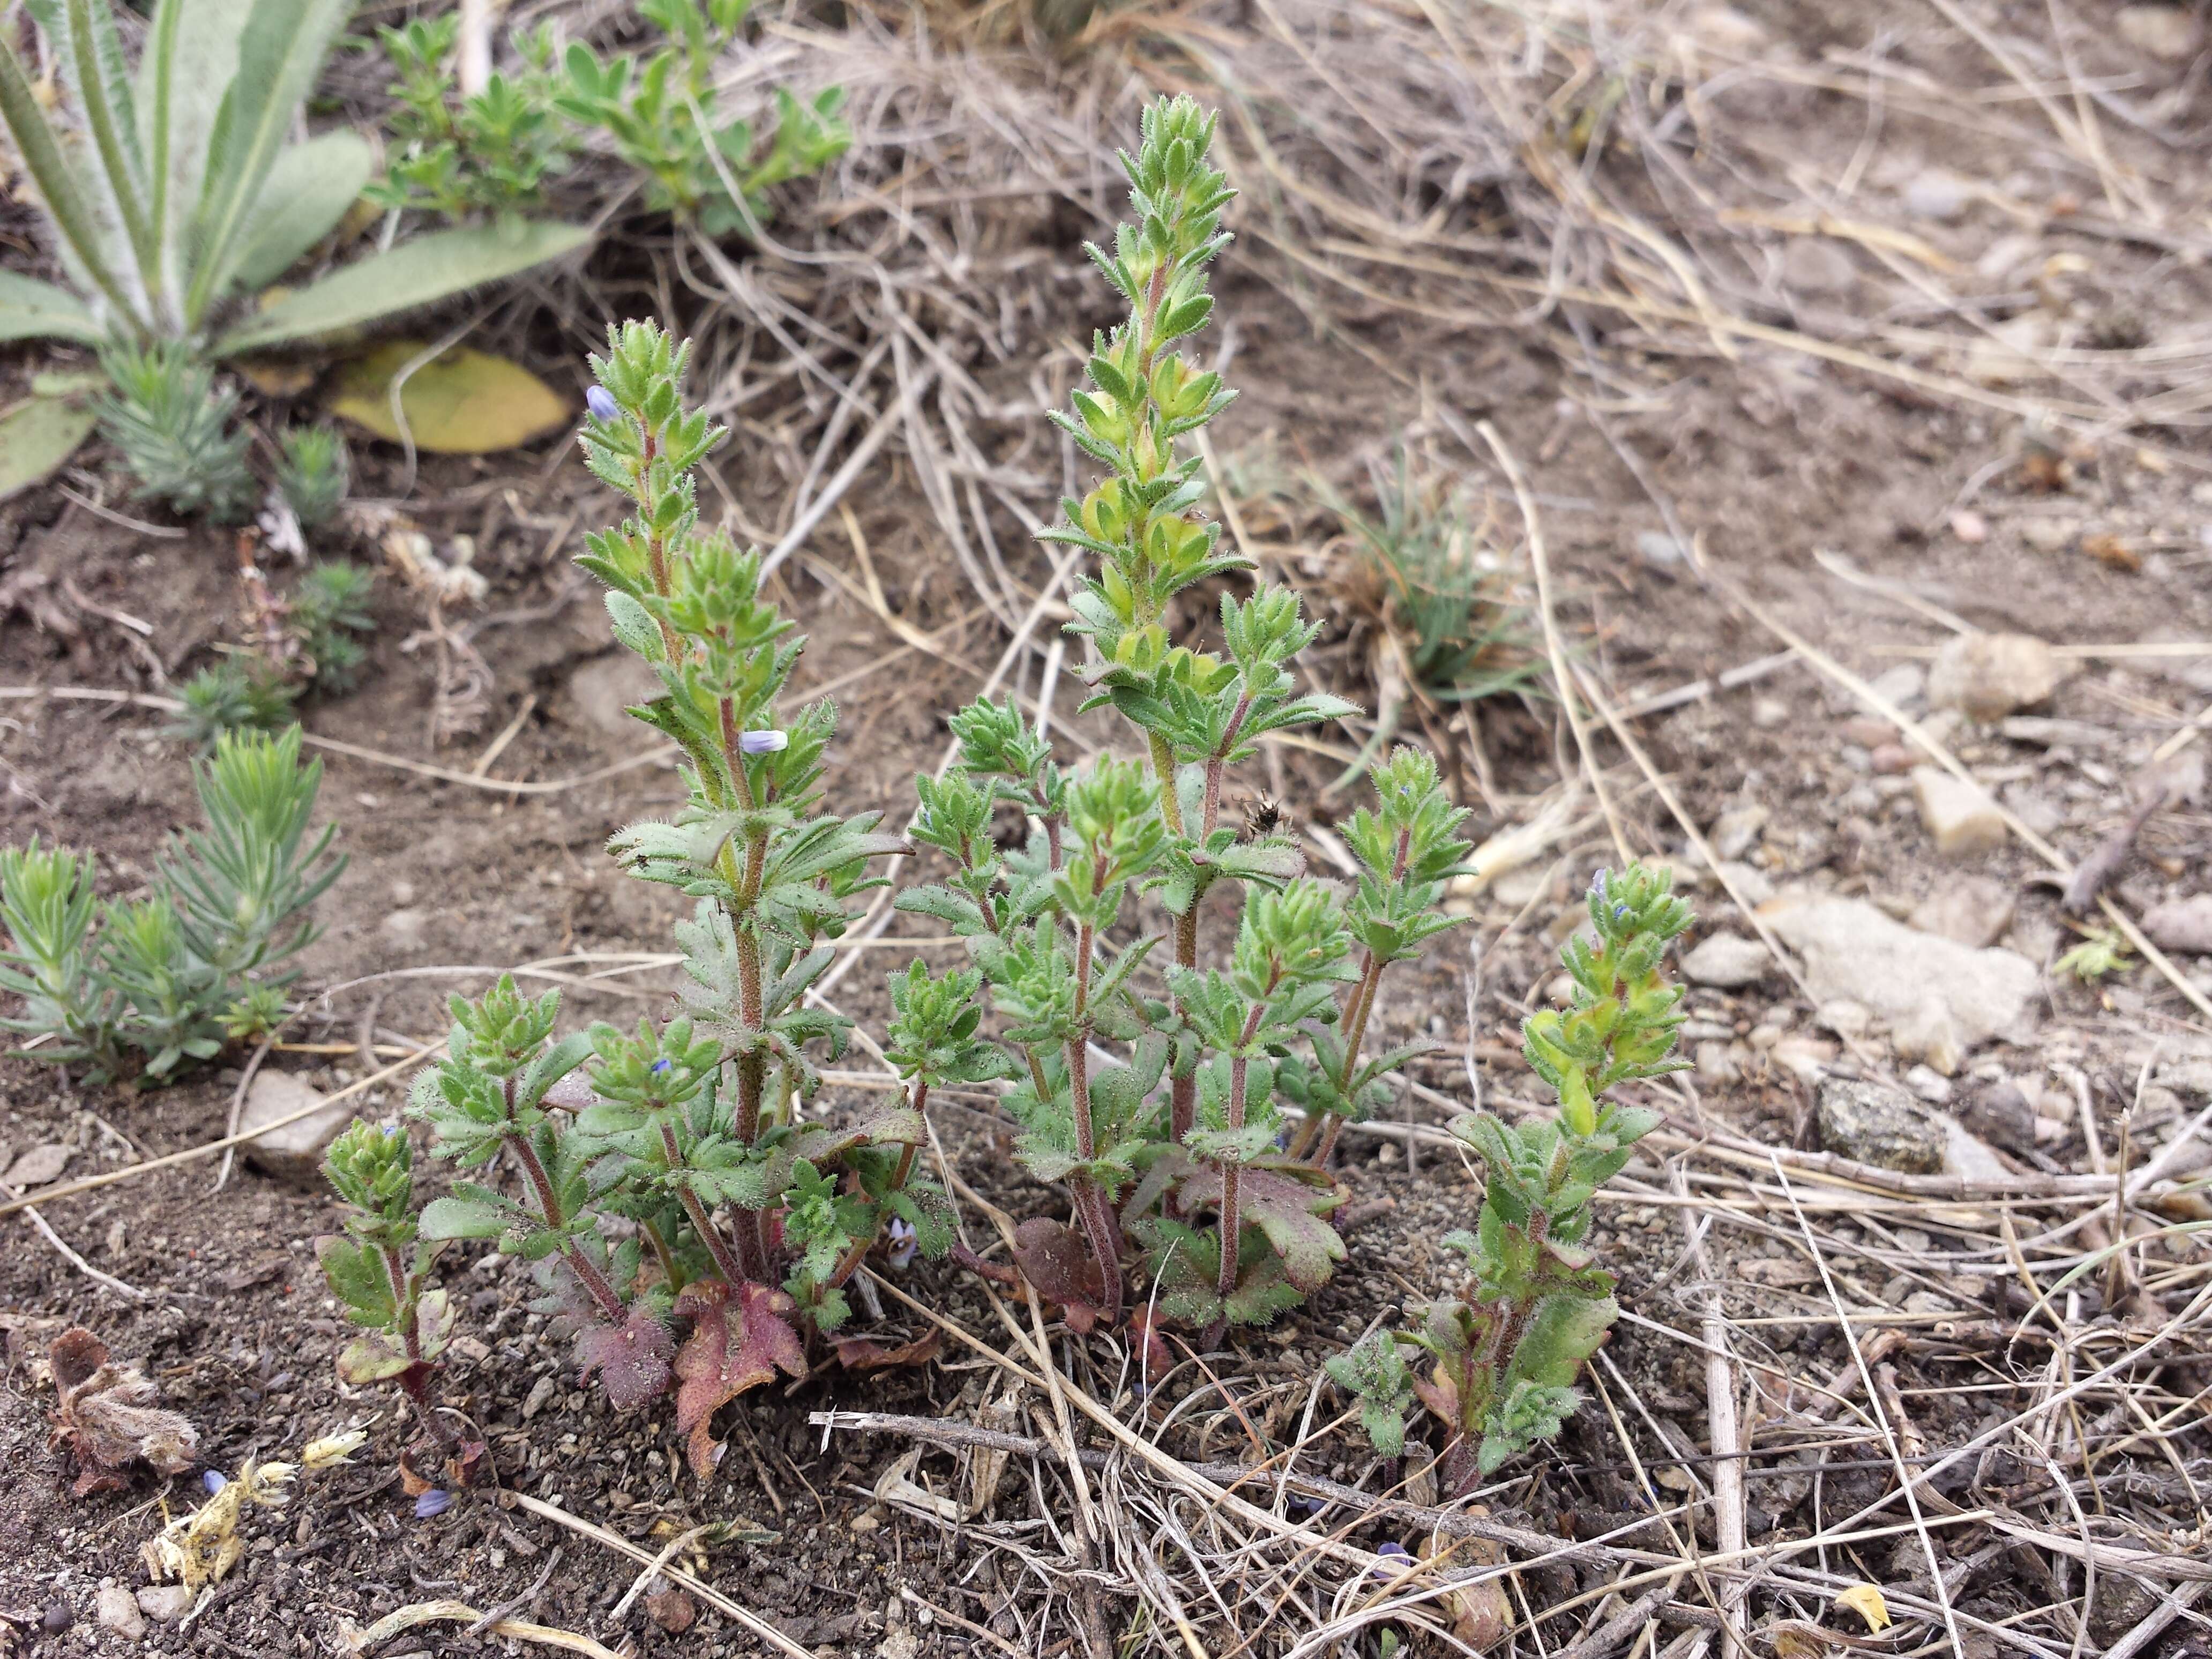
683,1211
1153,1083
1504,1354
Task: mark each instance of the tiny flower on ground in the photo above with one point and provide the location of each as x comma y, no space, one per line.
434,1502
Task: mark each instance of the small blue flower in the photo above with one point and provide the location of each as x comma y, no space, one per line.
903,1243
215,1480
437,1501
763,743
601,403
660,1065
1392,1554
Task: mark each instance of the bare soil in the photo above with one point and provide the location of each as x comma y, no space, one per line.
1768,460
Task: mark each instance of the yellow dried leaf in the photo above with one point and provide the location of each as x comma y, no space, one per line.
1866,1600
463,403
274,377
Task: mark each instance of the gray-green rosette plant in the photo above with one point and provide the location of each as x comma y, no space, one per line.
1504,1353
1148,1081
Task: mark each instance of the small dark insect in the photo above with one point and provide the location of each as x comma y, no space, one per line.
1263,816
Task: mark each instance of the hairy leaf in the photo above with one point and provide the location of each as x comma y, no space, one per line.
741,1336
412,275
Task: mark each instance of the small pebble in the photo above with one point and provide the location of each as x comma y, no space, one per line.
57,1618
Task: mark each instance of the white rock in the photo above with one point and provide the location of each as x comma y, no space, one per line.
1845,1017
295,1152
38,1166
165,1603
1717,1065
1736,832
405,928
1727,962
2180,925
1971,909
1853,952
1960,816
1930,1084
1657,547
1903,684
1749,879
1987,676
1929,1033
2169,32
1935,194
1769,713
1813,264
119,1611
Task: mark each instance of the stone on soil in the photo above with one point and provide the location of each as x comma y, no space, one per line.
1852,952
1736,832
1727,962
1929,1032
1971,909
2184,925
295,1152
1870,1122
2169,32
2002,1115
165,1603
38,1166
1987,676
1960,817
119,1611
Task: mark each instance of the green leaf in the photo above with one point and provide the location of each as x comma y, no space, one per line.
305,195
32,309
280,53
373,1359
89,48
414,274
37,436
71,213
458,1217
190,60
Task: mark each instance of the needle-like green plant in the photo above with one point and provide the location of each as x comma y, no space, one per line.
175,192
1152,1089
142,987
1504,1353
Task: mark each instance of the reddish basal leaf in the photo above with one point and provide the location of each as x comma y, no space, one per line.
862,1353
1057,1260
106,1416
740,1335
1154,1359
631,1357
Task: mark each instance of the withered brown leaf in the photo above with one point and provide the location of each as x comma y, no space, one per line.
107,1418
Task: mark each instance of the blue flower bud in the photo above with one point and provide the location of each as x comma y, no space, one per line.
601,403
661,1065
903,1242
437,1501
763,743
214,1480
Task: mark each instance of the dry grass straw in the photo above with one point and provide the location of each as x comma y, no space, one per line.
1464,166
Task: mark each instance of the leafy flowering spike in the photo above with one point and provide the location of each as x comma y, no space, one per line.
1506,1351
690,1133
1178,1136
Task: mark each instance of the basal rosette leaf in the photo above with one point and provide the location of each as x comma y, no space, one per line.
741,1336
